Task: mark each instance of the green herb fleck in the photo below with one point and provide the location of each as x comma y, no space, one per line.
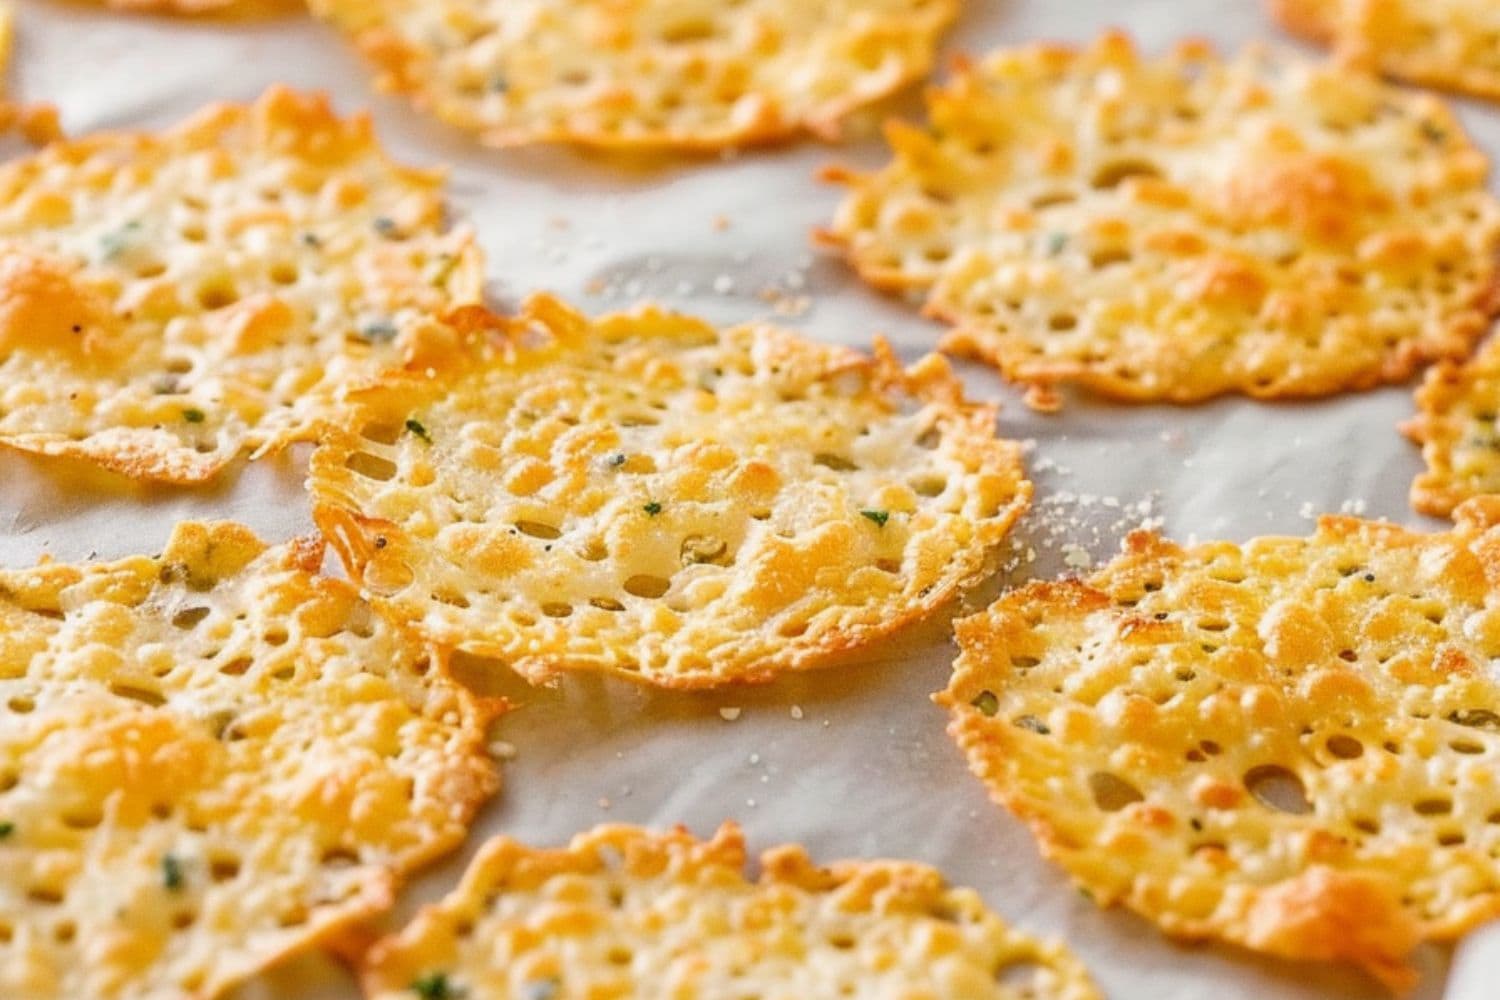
1055,243
435,986
6,829
311,240
499,84
381,331
1028,722
1434,132
878,516
653,508
193,415
171,872
415,426
386,226
616,460
115,243
1085,894
986,702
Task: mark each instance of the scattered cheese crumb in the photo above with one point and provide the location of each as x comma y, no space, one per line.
729,714
797,712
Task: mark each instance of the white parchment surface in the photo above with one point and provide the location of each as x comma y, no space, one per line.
851,762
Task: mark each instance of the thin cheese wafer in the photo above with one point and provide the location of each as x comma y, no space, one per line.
1453,44
1290,745
1178,228
693,74
647,495
623,912
1457,408
209,760
169,300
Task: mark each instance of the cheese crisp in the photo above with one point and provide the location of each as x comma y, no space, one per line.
169,300
626,913
37,123
209,760
1290,745
647,495
1179,228
1446,43
696,74
1457,409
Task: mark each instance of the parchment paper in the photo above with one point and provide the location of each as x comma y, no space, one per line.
853,761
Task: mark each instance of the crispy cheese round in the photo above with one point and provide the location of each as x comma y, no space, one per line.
169,300
1291,745
648,495
1446,43
628,913
695,74
37,123
1457,409
1183,227
209,760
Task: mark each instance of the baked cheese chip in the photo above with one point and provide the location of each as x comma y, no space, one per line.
168,300
1457,409
647,495
1178,228
624,912
1290,745
37,123
1445,43
693,74
209,760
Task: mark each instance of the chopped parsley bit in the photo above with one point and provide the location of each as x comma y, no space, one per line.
386,226
878,516
311,240
616,460
171,872
435,986
653,508
113,244
1433,132
415,426
381,331
1085,894
1028,722
499,85
1055,243
193,415
986,702
6,829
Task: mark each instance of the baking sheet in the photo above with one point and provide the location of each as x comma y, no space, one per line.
851,762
